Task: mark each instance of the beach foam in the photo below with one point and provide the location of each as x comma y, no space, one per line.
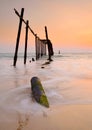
67,82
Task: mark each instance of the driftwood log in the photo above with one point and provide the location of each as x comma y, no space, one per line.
38,92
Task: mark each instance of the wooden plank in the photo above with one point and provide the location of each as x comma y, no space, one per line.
18,38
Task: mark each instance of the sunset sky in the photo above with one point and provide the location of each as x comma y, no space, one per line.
69,23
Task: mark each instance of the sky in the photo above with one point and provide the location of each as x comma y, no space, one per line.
69,24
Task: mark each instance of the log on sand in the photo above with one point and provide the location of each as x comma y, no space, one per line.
38,92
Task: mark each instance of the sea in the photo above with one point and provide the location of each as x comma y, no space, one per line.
66,80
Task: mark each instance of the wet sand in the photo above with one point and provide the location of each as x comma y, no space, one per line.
65,117
68,86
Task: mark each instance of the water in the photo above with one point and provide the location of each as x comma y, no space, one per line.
66,80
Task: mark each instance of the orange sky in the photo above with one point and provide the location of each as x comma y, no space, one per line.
69,23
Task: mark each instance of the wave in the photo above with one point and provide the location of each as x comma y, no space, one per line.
56,55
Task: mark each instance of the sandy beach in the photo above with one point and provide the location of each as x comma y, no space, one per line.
65,117
67,82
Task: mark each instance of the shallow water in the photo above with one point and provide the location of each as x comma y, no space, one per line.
66,80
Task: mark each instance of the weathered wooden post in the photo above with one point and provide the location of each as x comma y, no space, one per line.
18,35
36,40
49,44
26,39
46,33
45,49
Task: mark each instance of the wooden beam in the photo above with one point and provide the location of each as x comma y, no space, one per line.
24,21
46,33
18,37
26,39
36,40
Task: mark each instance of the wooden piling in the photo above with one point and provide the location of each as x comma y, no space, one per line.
36,50
45,49
46,33
26,39
49,44
18,37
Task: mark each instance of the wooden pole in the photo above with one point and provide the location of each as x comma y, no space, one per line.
18,37
49,44
45,49
26,39
46,33
36,49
